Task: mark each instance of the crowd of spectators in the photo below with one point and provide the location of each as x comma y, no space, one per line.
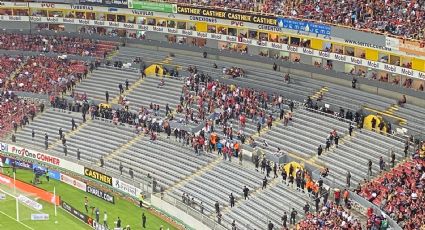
41,74
331,216
14,112
397,17
59,44
7,66
400,194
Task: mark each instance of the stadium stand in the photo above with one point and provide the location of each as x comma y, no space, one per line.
394,17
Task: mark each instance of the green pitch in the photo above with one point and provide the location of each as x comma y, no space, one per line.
128,212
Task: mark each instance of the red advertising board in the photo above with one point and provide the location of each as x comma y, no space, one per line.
40,193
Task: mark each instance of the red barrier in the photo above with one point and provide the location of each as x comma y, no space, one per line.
40,193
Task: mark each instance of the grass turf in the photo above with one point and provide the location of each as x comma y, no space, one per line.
129,213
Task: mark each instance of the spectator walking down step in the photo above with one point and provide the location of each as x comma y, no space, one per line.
101,162
121,168
336,140
46,141
264,183
369,167
274,66
406,147
381,164
293,216
127,84
130,171
60,133
73,126
392,158
284,176
234,225
217,207
156,70
348,179
107,97
353,83
78,154
350,129
32,135
319,150
270,226
245,192
328,144
284,219
120,88
232,200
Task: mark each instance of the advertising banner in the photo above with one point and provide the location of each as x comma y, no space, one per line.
97,176
412,47
73,182
126,188
83,217
39,216
226,14
30,203
42,157
17,163
298,25
101,194
53,174
152,6
40,193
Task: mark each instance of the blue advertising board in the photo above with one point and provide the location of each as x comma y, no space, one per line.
53,174
311,27
17,163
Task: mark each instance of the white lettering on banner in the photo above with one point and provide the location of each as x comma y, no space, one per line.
142,13
390,68
30,203
126,188
73,182
308,51
4,180
357,61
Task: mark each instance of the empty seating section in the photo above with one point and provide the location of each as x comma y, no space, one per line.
354,154
43,74
163,160
216,185
304,134
58,44
269,205
106,79
414,116
150,92
48,123
103,137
